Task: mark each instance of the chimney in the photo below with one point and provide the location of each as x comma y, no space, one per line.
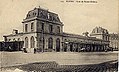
14,31
5,38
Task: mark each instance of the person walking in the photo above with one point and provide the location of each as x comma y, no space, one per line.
34,50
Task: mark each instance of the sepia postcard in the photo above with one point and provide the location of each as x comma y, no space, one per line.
59,35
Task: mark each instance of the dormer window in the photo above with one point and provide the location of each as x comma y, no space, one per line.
34,13
28,15
57,18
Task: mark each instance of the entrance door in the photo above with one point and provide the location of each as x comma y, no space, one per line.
57,45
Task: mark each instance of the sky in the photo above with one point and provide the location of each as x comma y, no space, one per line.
76,17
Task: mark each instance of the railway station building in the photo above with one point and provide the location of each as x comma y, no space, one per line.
43,30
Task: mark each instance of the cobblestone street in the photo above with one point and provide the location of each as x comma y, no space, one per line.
110,66
81,62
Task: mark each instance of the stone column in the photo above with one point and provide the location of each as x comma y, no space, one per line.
98,47
72,47
104,47
91,47
68,47
79,47
61,47
76,47
65,47
95,48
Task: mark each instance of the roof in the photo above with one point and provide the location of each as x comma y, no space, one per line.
13,34
80,36
113,35
43,14
99,30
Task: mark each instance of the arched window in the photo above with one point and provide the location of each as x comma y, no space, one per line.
26,42
57,44
32,27
50,43
32,42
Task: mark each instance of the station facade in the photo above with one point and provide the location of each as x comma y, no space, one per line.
43,31
114,41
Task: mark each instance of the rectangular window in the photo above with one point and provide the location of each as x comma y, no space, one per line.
58,29
50,28
26,27
32,27
42,26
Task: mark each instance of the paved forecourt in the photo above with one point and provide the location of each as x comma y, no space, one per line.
62,58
